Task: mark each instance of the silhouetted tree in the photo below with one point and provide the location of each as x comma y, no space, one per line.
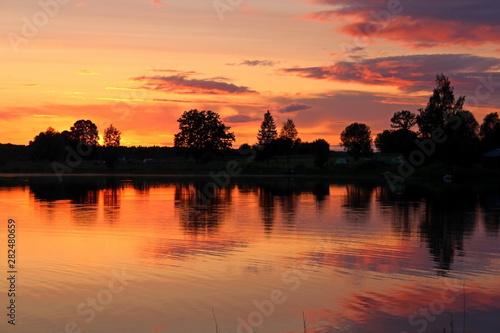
112,136
462,145
490,132
202,131
321,152
267,132
404,120
288,139
441,107
289,131
84,132
396,142
48,145
356,140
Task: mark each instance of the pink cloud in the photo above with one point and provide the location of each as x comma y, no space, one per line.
411,73
183,84
81,4
423,23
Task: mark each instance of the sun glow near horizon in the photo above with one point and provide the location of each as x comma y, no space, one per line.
140,65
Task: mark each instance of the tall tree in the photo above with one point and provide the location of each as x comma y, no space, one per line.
85,132
267,132
289,131
112,136
202,131
441,107
404,120
490,132
356,140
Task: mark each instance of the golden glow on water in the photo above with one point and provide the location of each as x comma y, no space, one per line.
350,256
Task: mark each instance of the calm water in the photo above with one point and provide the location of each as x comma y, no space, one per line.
142,255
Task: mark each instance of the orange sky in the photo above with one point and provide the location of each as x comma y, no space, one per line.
324,63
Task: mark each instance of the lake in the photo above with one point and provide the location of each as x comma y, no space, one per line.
174,254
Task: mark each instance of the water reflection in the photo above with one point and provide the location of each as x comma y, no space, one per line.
201,207
357,200
267,208
447,219
442,218
371,255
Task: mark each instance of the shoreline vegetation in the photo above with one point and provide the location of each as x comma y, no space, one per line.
164,162
449,146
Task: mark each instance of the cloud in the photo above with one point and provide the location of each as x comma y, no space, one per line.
410,73
240,118
295,106
157,3
86,72
81,4
422,23
254,63
258,63
182,84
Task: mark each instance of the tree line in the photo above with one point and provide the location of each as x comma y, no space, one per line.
203,133
453,132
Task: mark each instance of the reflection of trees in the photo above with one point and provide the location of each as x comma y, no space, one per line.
286,191
266,208
83,193
491,210
447,218
404,211
357,202
112,203
78,190
321,190
201,207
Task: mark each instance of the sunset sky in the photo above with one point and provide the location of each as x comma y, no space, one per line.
138,64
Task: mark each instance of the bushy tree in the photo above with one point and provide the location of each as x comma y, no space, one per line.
396,142
289,131
288,139
356,140
401,139
202,132
490,132
462,144
84,132
321,152
404,120
112,136
48,145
